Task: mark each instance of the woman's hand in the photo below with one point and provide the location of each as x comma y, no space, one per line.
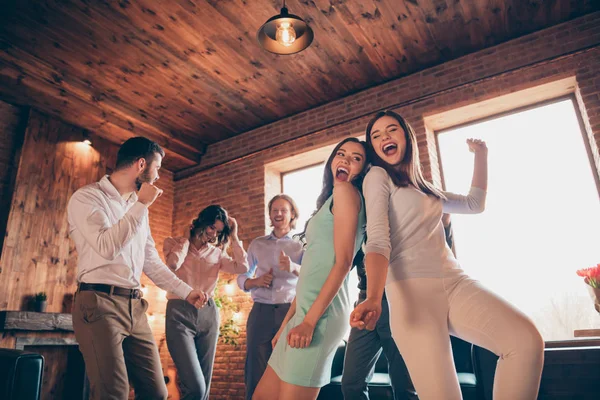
480,175
233,227
366,314
477,146
300,336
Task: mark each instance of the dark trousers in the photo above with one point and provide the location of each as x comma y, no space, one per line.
363,350
263,323
192,336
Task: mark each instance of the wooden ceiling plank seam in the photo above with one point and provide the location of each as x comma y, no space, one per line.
38,68
89,117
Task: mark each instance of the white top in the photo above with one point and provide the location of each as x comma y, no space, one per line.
113,240
405,225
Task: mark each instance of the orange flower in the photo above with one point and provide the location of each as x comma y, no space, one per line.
584,272
591,275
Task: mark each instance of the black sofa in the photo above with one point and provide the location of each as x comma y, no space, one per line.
380,386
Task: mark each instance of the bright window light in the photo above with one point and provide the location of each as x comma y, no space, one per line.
304,186
541,219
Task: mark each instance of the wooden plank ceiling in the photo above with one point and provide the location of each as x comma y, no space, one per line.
188,73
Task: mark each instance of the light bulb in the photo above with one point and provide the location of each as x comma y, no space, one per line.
237,316
286,35
229,289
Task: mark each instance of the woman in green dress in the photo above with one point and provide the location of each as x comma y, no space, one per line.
318,318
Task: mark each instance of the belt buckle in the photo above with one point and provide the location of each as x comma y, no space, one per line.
135,294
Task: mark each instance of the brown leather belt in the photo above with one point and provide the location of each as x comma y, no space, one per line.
117,291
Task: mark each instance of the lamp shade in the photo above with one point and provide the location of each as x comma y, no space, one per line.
267,34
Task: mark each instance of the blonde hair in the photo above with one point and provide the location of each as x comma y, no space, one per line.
293,205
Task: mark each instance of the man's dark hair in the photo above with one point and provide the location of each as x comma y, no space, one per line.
135,148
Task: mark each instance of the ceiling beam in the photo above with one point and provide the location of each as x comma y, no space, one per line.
83,106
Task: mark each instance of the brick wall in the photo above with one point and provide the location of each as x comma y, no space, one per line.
233,174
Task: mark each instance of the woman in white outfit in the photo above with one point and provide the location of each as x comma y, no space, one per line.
429,295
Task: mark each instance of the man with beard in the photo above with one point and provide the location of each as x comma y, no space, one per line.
108,221
274,262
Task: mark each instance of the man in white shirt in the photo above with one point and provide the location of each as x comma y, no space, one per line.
108,221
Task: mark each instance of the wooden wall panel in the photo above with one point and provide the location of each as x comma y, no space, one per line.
37,254
13,120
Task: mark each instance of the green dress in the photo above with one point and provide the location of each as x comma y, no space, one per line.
311,366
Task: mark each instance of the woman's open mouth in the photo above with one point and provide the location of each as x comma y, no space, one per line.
342,173
390,149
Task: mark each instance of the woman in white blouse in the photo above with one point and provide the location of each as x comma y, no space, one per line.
429,295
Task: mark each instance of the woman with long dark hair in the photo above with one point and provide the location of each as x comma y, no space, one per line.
197,259
317,319
429,295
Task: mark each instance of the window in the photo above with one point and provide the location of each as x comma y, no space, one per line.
541,218
304,186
